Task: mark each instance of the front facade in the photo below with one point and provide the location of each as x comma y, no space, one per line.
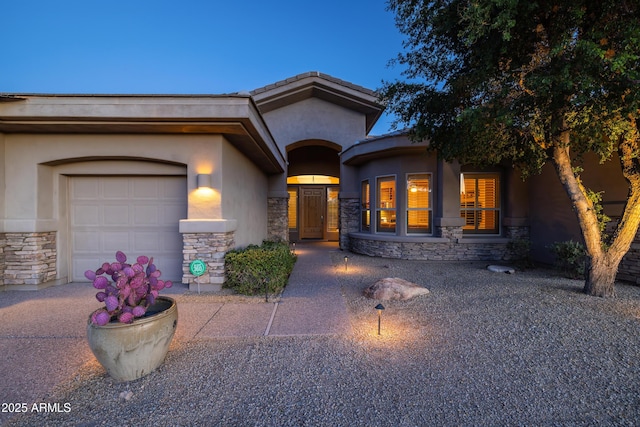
190,177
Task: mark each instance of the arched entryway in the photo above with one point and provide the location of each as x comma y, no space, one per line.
313,184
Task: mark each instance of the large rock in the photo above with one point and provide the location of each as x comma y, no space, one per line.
394,289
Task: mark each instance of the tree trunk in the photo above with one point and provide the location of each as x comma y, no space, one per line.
600,275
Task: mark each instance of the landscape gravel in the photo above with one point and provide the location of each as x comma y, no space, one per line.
482,349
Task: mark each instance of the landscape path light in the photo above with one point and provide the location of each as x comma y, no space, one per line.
379,307
346,263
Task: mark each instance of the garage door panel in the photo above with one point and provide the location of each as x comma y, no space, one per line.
86,241
115,188
116,215
146,190
137,215
85,190
146,215
85,215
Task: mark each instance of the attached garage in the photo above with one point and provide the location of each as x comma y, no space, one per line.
138,215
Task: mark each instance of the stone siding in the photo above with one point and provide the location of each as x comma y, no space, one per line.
210,248
278,219
3,243
448,246
349,220
28,259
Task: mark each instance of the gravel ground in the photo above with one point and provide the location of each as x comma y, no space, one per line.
482,349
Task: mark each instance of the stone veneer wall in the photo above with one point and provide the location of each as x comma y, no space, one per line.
3,243
448,247
349,220
210,248
278,219
28,259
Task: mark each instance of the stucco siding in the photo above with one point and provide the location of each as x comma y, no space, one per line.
244,196
315,119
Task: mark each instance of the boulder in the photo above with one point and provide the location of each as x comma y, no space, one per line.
394,289
501,269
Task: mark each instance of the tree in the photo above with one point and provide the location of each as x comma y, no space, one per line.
529,82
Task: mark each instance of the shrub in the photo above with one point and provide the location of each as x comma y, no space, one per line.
520,251
570,258
249,270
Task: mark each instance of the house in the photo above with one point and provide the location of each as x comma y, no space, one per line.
190,177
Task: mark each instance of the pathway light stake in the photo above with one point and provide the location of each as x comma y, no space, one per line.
266,289
346,263
294,247
379,307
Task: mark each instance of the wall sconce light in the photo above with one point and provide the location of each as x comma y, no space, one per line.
346,263
379,307
204,180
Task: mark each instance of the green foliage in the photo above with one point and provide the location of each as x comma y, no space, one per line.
494,80
570,258
520,250
249,270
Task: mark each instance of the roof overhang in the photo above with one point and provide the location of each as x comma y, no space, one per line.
394,144
236,117
322,86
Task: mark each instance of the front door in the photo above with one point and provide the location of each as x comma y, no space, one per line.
312,212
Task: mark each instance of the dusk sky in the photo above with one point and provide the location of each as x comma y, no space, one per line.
192,46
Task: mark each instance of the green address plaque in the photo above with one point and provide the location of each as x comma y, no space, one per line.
197,267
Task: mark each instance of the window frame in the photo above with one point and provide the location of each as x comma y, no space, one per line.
394,209
428,209
498,209
296,190
365,207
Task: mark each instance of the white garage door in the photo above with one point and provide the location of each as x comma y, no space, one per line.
137,215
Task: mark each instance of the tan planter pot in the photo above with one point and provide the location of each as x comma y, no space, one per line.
131,351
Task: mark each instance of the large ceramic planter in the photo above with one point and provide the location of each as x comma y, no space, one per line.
129,351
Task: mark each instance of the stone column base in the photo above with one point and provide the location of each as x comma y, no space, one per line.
278,219
208,241
28,260
349,220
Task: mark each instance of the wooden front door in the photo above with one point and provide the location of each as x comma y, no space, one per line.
312,212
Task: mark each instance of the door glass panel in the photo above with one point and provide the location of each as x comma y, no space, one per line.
332,209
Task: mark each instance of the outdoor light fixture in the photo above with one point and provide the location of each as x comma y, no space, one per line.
204,180
379,307
294,247
346,263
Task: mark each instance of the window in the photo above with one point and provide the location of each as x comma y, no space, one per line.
386,211
332,209
480,203
293,208
418,203
365,207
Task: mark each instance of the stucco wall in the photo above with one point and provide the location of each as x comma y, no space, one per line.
551,217
315,119
37,165
244,196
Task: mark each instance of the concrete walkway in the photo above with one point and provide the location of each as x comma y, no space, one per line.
43,333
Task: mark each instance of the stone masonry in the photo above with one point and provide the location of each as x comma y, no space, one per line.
349,220
210,248
28,259
3,243
278,219
448,246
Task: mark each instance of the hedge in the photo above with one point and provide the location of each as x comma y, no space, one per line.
248,270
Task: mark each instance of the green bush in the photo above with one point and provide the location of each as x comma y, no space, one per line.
570,258
249,270
520,251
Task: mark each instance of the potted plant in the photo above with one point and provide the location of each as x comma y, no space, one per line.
130,335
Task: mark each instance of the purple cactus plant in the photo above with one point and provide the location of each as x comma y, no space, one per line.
133,289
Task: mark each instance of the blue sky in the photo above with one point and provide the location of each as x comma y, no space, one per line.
192,46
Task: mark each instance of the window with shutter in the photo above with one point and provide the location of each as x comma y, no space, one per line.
480,203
